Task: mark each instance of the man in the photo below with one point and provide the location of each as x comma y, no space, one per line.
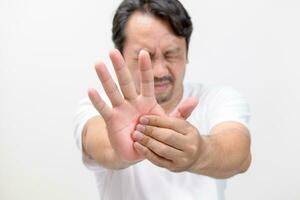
155,141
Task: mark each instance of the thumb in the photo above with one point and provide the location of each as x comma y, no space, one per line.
186,108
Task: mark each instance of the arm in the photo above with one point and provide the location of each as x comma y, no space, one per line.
226,151
178,146
96,144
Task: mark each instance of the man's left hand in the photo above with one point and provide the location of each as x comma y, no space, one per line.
168,142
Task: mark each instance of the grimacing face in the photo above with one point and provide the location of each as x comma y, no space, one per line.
167,51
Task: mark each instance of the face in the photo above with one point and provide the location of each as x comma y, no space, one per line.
167,52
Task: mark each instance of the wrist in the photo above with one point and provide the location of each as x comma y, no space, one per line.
120,162
202,160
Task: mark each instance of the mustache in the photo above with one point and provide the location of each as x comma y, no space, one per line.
164,78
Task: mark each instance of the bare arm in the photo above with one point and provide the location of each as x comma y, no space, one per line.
178,146
96,145
226,151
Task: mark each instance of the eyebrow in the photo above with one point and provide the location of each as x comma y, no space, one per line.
175,50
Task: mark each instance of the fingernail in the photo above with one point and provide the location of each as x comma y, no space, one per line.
137,135
140,128
144,120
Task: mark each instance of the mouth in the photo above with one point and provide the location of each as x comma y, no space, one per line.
161,86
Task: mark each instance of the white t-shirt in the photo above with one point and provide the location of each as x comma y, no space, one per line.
149,182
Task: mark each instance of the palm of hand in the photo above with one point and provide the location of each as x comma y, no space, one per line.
123,122
122,119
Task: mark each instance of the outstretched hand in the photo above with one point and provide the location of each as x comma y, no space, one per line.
122,118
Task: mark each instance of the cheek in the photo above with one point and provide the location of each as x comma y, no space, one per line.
178,71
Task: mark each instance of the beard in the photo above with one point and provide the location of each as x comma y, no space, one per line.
163,98
167,95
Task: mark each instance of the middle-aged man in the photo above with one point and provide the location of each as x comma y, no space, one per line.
155,141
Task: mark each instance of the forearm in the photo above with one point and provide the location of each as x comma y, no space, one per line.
225,152
96,144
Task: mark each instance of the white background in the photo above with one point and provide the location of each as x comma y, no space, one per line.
47,52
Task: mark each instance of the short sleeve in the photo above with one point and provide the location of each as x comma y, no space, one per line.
84,112
228,105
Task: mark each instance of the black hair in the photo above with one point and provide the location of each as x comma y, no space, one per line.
171,11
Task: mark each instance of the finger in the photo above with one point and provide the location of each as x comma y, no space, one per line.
186,108
123,74
100,105
163,135
176,124
109,85
157,147
152,157
147,80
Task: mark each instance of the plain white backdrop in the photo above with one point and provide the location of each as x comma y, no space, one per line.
47,53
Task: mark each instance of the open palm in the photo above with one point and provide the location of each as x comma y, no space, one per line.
122,118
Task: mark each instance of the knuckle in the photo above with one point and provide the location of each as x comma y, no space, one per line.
155,120
113,89
192,149
150,155
100,105
147,153
169,139
181,161
155,160
145,140
148,142
170,122
184,161
125,81
162,150
149,130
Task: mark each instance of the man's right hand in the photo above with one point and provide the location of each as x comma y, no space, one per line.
122,118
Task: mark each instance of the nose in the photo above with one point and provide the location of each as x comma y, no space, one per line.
160,67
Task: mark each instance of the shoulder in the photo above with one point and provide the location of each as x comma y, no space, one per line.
209,92
217,103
